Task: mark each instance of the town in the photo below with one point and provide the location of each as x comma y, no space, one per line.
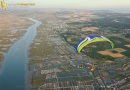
55,65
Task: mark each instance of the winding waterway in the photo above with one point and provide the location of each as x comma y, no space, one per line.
13,75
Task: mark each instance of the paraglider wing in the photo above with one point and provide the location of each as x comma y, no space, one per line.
91,39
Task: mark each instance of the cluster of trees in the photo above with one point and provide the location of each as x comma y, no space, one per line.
120,23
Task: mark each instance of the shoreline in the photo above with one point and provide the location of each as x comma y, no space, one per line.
28,85
28,75
20,50
1,61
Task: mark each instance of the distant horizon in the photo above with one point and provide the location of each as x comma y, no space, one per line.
123,10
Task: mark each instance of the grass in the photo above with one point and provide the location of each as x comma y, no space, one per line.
92,52
1,57
38,81
121,45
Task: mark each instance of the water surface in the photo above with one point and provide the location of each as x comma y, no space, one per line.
13,75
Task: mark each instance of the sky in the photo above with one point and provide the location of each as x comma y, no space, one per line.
90,4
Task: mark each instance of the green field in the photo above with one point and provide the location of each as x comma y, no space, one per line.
92,49
120,43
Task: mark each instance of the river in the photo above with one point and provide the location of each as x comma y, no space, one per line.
14,70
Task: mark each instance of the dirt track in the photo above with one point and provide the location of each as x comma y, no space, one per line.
114,55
